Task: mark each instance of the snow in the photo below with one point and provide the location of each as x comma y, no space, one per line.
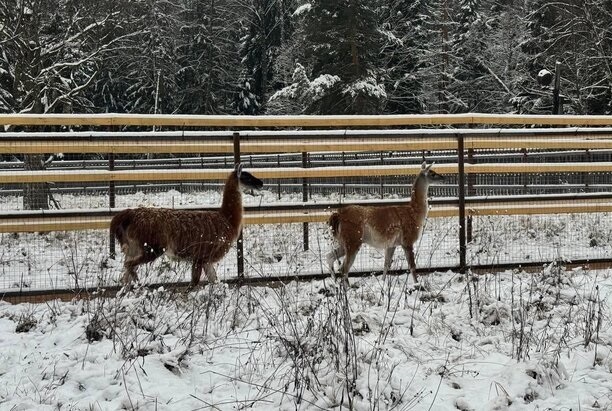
321,84
303,9
367,86
391,38
301,87
286,347
304,90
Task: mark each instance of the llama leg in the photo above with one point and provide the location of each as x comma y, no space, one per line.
333,256
135,255
348,262
196,272
388,258
131,252
131,263
211,274
409,250
129,273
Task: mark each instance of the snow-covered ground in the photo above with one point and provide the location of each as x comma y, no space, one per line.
508,341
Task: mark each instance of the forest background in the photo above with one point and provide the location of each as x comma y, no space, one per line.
292,57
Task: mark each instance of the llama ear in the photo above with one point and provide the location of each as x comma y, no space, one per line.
238,169
424,165
429,166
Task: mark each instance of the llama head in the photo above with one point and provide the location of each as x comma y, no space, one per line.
246,179
430,175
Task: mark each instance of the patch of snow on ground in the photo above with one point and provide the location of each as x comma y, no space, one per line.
509,341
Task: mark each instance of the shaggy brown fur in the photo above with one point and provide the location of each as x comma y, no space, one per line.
202,237
382,227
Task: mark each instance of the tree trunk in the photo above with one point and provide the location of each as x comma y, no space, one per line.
35,195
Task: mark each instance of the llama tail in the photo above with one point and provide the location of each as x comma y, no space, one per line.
334,223
120,223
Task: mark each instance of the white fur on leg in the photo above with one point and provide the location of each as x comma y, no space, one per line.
211,273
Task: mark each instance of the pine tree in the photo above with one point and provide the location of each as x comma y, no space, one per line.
403,52
436,74
208,56
342,39
468,86
138,76
260,46
503,57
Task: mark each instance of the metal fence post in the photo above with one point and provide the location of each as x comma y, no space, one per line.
343,179
382,181
587,176
278,184
461,195
471,191
239,244
111,204
305,199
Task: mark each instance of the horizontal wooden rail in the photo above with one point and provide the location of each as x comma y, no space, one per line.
328,134
198,174
533,209
537,143
116,147
173,120
220,146
297,146
62,223
527,168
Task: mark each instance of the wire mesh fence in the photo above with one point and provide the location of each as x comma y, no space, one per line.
55,208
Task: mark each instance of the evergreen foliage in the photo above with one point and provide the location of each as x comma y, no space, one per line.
342,39
300,56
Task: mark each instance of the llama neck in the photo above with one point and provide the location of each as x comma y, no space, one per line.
418,197
231,206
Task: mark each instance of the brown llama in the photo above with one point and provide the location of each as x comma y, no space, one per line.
202,237
382,227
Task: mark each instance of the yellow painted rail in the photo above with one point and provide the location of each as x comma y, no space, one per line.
301,145
61,223
173,120
197,174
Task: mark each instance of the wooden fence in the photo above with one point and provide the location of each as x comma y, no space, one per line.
237,141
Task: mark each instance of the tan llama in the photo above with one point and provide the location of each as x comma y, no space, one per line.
202,237
382,227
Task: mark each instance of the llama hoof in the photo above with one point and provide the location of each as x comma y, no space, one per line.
343,281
